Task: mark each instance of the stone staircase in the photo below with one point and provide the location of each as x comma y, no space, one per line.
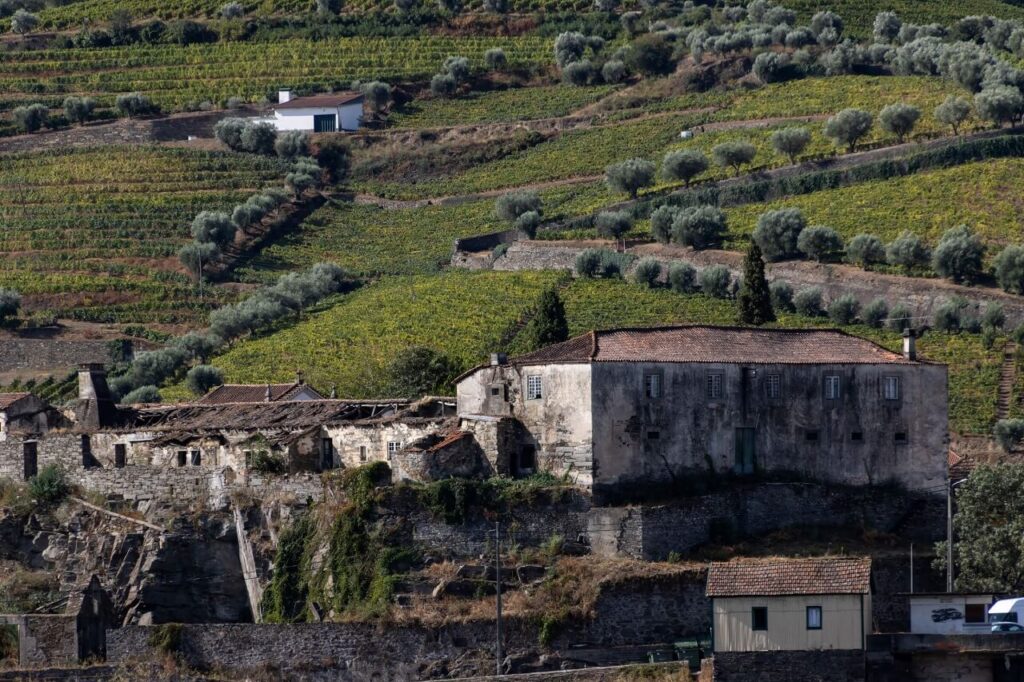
1007,379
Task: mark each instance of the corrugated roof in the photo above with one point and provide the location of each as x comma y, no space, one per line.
252,393
777,577
333,99
716,345
8,399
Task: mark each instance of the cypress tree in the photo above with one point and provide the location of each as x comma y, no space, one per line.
549,325
755,298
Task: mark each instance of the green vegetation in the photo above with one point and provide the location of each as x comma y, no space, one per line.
92,234
859,15
49,486
166,638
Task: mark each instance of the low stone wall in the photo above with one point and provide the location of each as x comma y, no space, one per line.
51,355
792,666
45,639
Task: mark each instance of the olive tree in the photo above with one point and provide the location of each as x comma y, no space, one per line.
510,206
292,144
213,227
701,227
1009,269
378,95
613,224
959,255
887,27
820,243
733,154
807,302
875,313
23,22
791,141
683,165
647,272
777,233
716,281
135,104
197,255
31,117
201,378
899,119
865,249
148,394
682,278
328,7
232,10
443,85
613,71
495,59
848,127
907,251
844,309
782,296
630,176
10,302
79,109
953,112
999,104
662,219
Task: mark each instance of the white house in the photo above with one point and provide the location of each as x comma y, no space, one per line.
319,113
949,614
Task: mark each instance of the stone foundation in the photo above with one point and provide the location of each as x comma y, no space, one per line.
792,666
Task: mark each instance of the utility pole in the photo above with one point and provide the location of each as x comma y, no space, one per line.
949,535
497,583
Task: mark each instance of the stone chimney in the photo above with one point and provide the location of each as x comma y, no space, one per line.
498,359
300,377
284,96
95,406
266,395
909,344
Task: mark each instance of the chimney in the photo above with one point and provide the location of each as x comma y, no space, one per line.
498,359
909,344
300,377
92,382
266,395
95,407
284,96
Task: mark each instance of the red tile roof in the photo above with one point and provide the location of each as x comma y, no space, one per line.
779,577
8,399
252,393
334,99
716,344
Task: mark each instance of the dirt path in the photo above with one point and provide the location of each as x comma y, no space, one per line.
1007,380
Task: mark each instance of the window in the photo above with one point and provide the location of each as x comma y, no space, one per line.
394,446
197,458
813,617
773,386
533,387
654,435
759,618
832,387
183,457
1008,617
714,386
974,614
247,453
811,436
652,385
120,455
857,436
495,391
899,437
362,453
891,388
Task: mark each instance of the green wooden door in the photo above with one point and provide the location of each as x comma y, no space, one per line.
324,123
744,451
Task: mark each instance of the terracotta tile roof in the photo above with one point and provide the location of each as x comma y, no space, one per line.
251,393
778,577
333,99
960,466
717,345
8,399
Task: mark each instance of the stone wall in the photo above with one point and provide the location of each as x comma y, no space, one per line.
791,666
46,639
50,355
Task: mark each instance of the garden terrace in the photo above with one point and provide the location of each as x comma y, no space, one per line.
93,234
174,75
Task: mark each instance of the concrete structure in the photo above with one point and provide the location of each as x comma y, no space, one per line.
638,409
790,604
339,111
939,613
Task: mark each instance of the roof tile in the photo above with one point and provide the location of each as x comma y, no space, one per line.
333,99
250,393
8,399
782,577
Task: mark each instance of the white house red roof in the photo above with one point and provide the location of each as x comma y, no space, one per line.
333,99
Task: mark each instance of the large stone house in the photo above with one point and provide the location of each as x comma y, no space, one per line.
635,409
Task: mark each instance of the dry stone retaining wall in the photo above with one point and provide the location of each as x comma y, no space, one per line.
50,354
835,665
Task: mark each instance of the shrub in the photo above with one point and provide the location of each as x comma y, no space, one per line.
49,486
807,302
651,55
848,126
630,176
142,394
701,227
900,318
495,59
734,154
947,317
613,224
1009,268
613,264
661,222
588,263
496,6
782,296
456,67
777,233
418,371
875,313
10,302
334,156
135,104
378,95
865,249
578,73
258,138
196,255
772,67
443,85
907,251
31,117
1008,433
79,109
899,119
953,112
292,144
844,309
820,243
791,141
682,278
201,378
569,48
994,316
716,281
23,22
755,299
234,10
887,27
186,32
613,71
213,227
647,272
959,255
683,165
510,206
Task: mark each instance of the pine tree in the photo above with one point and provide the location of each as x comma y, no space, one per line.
755,298
549,325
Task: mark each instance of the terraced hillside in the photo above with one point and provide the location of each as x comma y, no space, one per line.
93,234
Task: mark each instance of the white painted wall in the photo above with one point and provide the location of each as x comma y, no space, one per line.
845,621
349,115
944,614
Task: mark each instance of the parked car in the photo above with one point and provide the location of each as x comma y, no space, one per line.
1007,627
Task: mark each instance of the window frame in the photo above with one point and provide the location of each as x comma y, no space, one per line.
984,614
831,380
770,381
807,618
714,385
754,612
394,447
534,387
894,381
652,381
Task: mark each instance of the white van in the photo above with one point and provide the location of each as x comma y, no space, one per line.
1007,611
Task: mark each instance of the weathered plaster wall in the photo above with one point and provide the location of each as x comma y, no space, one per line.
358,443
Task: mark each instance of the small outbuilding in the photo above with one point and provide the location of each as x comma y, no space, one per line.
941,613
328,113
